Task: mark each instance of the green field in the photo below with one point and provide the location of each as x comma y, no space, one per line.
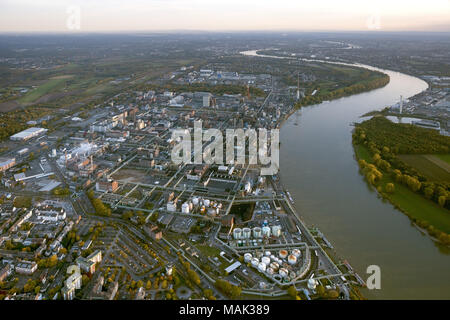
428,166
444,157
49,87
410,202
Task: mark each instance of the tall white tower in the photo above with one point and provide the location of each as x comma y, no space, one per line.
401,104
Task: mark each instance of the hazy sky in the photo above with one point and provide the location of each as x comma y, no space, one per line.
134,15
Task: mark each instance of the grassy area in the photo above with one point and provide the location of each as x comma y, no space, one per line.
50,86
427,167
444,157
415,205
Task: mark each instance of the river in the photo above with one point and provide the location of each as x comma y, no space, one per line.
318,167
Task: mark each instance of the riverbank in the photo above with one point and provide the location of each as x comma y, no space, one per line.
403,191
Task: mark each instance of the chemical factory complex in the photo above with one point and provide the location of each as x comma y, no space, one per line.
101,196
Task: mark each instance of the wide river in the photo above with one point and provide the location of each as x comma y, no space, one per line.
319,169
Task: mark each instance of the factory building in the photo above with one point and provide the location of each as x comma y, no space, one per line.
6,163
28,134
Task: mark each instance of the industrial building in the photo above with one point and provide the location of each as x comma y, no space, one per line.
6,163
28,134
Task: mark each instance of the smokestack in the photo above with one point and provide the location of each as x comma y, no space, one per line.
401,104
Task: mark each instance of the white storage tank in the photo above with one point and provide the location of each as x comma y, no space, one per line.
255,262
246,233
206,202
248,257
282,253
265,260
266,231
262,267
257,232
268,253
276,231
275,266
283,272
270,271
237,233
292,259
296,253
185,207
195,201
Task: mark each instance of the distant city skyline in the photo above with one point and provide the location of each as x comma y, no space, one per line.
220,15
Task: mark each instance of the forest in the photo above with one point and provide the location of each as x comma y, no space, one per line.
378,142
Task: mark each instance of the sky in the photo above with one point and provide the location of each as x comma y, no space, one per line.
223,15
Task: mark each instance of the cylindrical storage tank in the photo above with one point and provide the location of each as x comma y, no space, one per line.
275,266
246,233
259,254
272,257
219,206
265,260
185,207
270,271
283,272
255,262
237,233
212,212
257,232
282,253
195,201
276,231
292,259
191,206
248,257
262,267
296,253
292,275
266,231
206,202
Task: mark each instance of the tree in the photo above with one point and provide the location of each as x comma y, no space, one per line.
390,188
292,291
442,200
320,290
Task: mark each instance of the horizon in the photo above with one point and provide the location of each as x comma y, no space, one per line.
97,16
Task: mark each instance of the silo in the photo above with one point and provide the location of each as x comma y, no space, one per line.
276,231
237,233
185,207
257,232
246,233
